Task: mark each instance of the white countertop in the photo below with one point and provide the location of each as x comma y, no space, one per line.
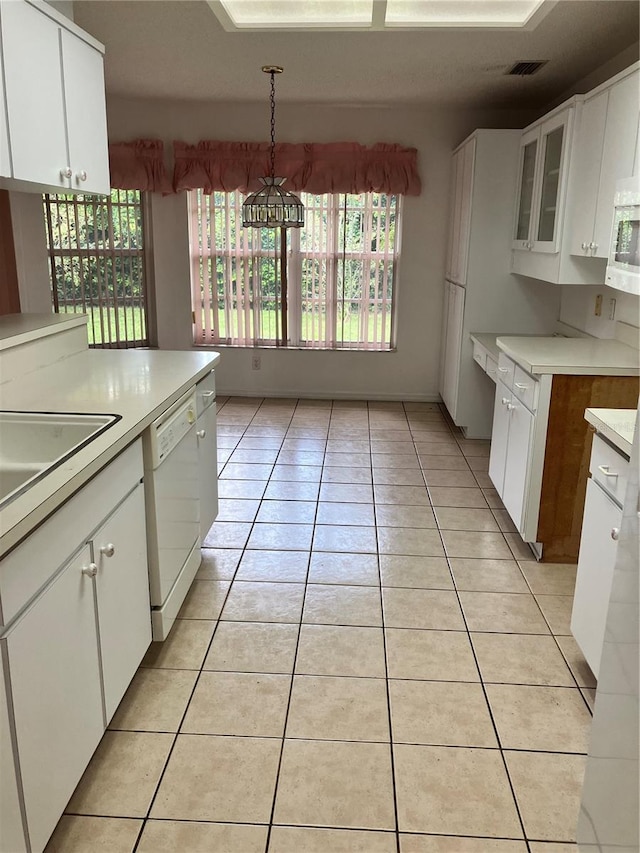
17,329
617,425
574,356
136,384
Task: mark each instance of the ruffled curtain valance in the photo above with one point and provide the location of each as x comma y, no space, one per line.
138,165
335,167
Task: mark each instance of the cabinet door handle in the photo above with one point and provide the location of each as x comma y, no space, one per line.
108,550
521,386
90,571
81,176
201,433
605,470
66,173
615,533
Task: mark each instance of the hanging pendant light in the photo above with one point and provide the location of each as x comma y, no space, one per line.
271,206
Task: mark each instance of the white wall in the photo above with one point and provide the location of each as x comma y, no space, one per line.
409,373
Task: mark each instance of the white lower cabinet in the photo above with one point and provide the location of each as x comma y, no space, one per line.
57,698
122,595
598,546
207,452
511,445
71,649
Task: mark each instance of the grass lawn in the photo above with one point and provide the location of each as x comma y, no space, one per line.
103,326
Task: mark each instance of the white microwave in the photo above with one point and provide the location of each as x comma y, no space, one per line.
623,266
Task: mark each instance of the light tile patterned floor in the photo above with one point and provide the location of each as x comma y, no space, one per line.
368,662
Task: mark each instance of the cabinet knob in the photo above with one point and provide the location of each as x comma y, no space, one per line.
511,407
505,401
201,433
90,571
593,246
108,550
81,176
615,533
584,246
66,173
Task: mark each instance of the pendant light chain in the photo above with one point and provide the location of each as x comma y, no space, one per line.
273,125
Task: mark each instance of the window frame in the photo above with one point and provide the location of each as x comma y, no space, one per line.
296,256
103,310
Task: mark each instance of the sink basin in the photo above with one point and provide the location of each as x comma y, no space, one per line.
34,443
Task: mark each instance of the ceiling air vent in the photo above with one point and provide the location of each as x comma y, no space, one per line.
527,67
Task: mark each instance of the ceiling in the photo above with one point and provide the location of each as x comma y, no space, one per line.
178,49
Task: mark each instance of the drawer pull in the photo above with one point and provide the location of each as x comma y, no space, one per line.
605,470
503,369
615,533
207,394
521,386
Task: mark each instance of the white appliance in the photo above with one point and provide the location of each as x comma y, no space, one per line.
623,266
207,452
172,497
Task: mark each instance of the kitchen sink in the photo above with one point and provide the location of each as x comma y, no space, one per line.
34,443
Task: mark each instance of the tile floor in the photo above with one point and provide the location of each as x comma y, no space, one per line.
369,659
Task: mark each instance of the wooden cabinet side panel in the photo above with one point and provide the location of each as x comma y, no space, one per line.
567,454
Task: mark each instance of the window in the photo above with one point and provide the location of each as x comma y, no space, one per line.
97,264
340,271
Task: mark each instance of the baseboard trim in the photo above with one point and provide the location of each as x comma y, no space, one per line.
306,394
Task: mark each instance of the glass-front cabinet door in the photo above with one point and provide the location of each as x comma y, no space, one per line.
525,200
542,185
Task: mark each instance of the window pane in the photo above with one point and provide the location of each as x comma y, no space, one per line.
97,265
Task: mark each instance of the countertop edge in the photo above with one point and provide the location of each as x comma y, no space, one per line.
569,368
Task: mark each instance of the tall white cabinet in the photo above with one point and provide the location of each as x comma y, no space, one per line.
480,293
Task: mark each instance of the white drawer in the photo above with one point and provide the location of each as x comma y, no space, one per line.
506,369
609,468
480,355
492,368
525,387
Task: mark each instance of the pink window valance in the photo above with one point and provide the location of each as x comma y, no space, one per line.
334,167
138,165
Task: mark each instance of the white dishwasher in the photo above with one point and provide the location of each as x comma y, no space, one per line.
172,496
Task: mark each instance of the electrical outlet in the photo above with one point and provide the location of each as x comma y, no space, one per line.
598,308
612,309
255,362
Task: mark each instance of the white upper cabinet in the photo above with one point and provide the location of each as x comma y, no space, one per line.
605,153
54,102
543,179
83,69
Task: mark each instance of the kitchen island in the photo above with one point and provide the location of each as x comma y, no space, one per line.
540,442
